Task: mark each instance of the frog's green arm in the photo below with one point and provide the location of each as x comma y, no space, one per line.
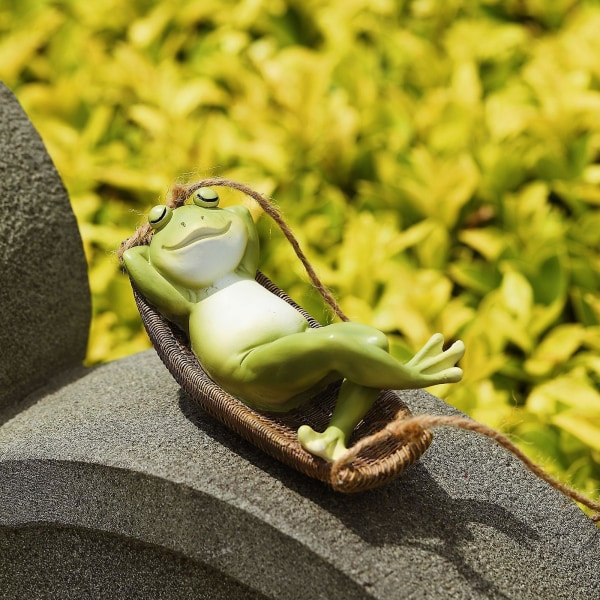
154,286
249,263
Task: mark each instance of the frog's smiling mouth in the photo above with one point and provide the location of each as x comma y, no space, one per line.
199,234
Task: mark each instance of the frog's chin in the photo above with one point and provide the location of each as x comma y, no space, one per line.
204,261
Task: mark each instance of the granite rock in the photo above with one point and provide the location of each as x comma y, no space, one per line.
119,452
44,294
114,484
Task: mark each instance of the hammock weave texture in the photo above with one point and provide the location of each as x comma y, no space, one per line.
275,433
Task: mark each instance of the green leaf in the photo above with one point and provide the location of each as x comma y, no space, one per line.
476,277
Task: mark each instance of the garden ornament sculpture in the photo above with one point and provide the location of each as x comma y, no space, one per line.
255,360
199,271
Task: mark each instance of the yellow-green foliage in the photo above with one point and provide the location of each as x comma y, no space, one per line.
438,159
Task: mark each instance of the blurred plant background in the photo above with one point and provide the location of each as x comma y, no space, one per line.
439,161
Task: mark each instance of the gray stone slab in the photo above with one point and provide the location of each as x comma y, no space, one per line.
44,295
119,453
113,484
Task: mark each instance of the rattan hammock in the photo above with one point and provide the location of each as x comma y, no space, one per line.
276,433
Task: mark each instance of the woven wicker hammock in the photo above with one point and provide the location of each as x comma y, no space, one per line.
275,433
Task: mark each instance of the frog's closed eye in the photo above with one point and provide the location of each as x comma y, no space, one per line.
205,197
159,216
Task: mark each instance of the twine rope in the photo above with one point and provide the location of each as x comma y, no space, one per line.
403,428
410,427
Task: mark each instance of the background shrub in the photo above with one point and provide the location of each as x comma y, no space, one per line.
438,159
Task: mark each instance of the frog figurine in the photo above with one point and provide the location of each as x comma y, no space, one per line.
199,271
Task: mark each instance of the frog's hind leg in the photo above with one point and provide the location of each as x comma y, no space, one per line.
293,364
356,353
352,404
330,445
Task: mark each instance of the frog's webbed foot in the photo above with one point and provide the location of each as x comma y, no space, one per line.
435,365
329,445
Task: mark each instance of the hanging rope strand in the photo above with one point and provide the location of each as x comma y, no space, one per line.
274,213
407,428
180,193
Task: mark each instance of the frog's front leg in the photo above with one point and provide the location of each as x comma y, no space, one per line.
155,287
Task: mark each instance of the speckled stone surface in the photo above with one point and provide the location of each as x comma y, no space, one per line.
44,295
113,484
119,452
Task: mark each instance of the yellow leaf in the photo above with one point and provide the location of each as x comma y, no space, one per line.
455,315
585,428
466,85
130,179
357,309
570,390
146,30
489,242
413,235
555,348
517,295
18,49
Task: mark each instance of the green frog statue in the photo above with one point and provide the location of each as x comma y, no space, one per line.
199,271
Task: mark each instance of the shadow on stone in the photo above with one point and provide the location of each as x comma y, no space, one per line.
87,523
128,568
413,510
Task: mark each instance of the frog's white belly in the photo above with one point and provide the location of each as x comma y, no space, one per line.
237,318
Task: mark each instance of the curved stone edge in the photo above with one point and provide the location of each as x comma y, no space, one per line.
466,517
97,564
44,294
172,518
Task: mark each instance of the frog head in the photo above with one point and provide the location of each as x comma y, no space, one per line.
196,245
